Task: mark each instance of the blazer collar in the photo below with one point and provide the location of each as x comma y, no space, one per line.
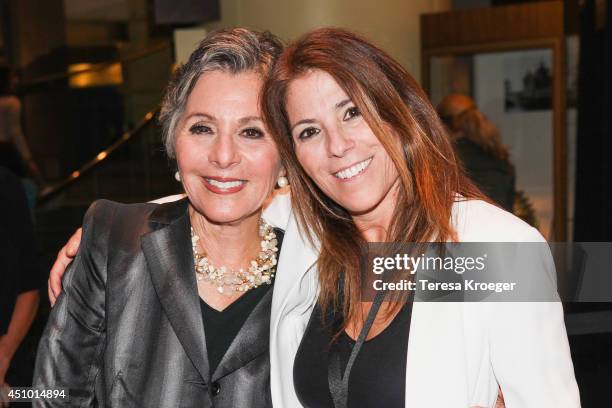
296,274
167,250
252,340
169,212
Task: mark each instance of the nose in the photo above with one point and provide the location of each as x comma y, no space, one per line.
224,153
338,142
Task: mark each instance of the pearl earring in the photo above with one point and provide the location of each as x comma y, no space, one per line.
177,176
282,182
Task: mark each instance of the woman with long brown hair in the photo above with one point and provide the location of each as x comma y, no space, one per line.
369,161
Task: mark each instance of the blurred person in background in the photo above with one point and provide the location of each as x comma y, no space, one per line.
479,147
20,281
12,137
12,161
10,120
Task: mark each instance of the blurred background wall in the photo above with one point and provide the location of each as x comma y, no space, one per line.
391,24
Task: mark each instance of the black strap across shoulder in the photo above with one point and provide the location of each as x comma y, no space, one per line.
338,383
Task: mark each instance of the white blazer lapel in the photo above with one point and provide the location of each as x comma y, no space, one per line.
295,293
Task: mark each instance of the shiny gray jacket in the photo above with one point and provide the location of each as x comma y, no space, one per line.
127,330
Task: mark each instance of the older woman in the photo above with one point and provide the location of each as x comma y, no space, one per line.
168,305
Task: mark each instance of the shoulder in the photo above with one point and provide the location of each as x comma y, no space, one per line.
277,211
113,229
111,211
479,221
107,220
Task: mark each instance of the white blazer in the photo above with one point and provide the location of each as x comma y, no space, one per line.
458,353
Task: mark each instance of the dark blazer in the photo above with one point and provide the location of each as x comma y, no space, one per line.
127,331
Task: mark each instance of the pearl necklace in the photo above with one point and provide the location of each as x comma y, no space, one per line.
261,269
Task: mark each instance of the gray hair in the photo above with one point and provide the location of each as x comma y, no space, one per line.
232,50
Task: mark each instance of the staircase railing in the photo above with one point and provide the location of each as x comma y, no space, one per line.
63,184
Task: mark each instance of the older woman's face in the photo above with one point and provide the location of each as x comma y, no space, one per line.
335,145
228,161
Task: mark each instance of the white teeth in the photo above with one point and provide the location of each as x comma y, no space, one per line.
353,170
225,185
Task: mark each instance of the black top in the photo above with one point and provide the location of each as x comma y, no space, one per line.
378,377
221,327
19,267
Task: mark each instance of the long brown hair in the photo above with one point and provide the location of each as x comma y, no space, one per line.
388,97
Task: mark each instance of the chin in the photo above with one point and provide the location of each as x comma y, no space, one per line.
360,204
224,218
222,213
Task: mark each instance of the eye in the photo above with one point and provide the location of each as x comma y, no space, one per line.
199,129
308,133
252,133
351,113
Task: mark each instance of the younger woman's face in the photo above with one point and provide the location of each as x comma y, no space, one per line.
336,147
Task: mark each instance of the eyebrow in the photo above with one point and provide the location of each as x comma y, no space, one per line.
211,118
247,119
201,115
342,103
339,105
302,122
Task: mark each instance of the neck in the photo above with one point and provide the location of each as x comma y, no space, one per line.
227,244
374,224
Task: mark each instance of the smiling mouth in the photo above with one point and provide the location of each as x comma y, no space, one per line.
354,170
224,185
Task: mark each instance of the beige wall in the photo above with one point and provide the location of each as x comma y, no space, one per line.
391,24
